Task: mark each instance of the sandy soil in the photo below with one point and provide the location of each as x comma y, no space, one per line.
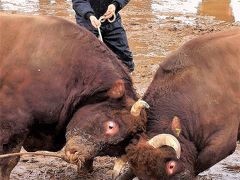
151,39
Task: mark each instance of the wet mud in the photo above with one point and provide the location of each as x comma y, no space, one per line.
152,34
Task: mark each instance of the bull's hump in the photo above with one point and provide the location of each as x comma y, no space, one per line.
45,24
199,51
61,26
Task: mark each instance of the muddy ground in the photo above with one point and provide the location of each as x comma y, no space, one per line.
151,37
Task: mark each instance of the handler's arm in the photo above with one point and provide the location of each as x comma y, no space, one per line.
120,4
83,8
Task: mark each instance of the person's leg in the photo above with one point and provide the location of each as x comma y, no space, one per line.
114,36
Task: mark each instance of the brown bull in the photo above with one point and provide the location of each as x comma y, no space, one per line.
194,110
57,79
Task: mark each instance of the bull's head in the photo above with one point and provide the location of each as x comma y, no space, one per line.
104,128
157,158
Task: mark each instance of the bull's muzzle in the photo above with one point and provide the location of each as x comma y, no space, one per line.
81,153
72,154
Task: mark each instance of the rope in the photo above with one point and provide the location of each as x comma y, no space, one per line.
102,19
52,154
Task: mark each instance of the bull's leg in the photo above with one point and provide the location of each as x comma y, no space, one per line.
7,164
219,147
10,144
15,119
12,135
238,133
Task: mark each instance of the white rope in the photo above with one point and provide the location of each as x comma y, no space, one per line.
102,19
52,154
100,34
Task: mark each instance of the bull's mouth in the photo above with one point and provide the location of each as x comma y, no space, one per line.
75,158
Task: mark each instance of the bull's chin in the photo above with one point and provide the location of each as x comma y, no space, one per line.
184,175
85,167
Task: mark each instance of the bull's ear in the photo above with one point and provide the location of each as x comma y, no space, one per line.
176,126
117,90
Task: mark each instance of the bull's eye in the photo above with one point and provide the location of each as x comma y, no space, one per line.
111,125
111,128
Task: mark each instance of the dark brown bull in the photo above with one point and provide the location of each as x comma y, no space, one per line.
194,103
57,79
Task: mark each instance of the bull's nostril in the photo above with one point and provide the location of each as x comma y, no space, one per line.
72,155
72,151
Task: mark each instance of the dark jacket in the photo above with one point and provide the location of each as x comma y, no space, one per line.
84,8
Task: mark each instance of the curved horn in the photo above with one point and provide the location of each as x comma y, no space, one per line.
137,107
118,166
168,140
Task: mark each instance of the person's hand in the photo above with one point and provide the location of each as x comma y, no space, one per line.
95,22
110,11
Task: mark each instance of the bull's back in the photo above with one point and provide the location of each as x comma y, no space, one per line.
210,63
26,36
201,80
51,44
45,60
216,59
219,71
36,60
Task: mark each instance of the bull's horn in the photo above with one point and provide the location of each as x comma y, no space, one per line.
168,140
118,166
137,107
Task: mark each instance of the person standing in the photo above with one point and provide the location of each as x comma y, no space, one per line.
88,12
